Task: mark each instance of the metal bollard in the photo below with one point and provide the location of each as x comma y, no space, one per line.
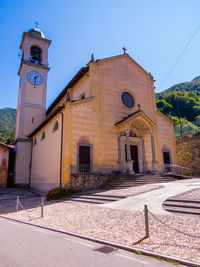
17,204
42,207
146,220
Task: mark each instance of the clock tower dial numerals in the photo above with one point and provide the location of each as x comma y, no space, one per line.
35,78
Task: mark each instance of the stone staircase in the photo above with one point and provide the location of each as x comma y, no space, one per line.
124,181
120,181
182,206
95,198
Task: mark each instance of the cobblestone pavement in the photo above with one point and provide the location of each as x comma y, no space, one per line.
8,198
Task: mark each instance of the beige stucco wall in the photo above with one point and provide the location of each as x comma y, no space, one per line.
82,86
4,160
45,171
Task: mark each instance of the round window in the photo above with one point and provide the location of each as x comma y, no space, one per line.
127,100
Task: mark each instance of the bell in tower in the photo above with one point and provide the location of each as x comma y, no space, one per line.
35,55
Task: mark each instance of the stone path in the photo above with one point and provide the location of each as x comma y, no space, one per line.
154,199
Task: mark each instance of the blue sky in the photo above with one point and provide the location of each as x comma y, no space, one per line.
154,33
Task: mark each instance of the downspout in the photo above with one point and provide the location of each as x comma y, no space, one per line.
61,149
30,163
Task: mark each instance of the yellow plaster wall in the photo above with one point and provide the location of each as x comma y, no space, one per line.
165,137
148,150
109,79
46,155
78,122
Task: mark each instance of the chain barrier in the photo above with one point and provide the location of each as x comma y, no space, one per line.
24,209
31,209
41,204
172,228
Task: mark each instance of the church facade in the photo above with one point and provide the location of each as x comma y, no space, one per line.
104,120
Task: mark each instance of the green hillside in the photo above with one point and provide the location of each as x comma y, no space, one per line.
182,103
193,86
7,125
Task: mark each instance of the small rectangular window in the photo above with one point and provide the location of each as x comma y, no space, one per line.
32,119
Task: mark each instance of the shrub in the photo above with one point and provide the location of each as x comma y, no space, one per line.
59,193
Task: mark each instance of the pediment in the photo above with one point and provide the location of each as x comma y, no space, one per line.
137,120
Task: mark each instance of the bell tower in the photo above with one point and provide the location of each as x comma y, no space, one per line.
31,107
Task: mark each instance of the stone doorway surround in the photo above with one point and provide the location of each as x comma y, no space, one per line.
135,141
132,130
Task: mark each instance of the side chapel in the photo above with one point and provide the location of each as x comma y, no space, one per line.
104,120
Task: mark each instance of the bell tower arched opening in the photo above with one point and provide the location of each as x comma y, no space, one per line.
35,55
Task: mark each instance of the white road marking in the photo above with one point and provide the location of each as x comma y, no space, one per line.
134,259
80,243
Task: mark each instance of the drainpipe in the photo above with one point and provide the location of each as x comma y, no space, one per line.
61,149
30,162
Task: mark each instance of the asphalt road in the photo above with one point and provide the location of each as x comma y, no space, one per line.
27,246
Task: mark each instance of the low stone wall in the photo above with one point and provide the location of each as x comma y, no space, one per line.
188,153
83,183
44,188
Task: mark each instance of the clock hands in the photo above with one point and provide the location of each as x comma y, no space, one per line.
35,78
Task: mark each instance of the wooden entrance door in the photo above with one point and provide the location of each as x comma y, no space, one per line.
84,158
166,160
134,156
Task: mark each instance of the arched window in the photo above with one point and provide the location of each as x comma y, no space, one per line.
84,140
43,136
68,96
35,55
35,142
55,127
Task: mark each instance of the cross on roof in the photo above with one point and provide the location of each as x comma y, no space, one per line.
139,107
124,48
36,24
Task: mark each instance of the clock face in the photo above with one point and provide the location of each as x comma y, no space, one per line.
35,78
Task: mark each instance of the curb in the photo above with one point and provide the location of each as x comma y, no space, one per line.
130,249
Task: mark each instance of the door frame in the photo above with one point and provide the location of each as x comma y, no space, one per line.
170,157
91,156
135,141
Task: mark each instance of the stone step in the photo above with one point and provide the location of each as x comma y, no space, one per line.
126,185
89,201
135,182
183,200
140,180
183,211
111,196
99,197
180,205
